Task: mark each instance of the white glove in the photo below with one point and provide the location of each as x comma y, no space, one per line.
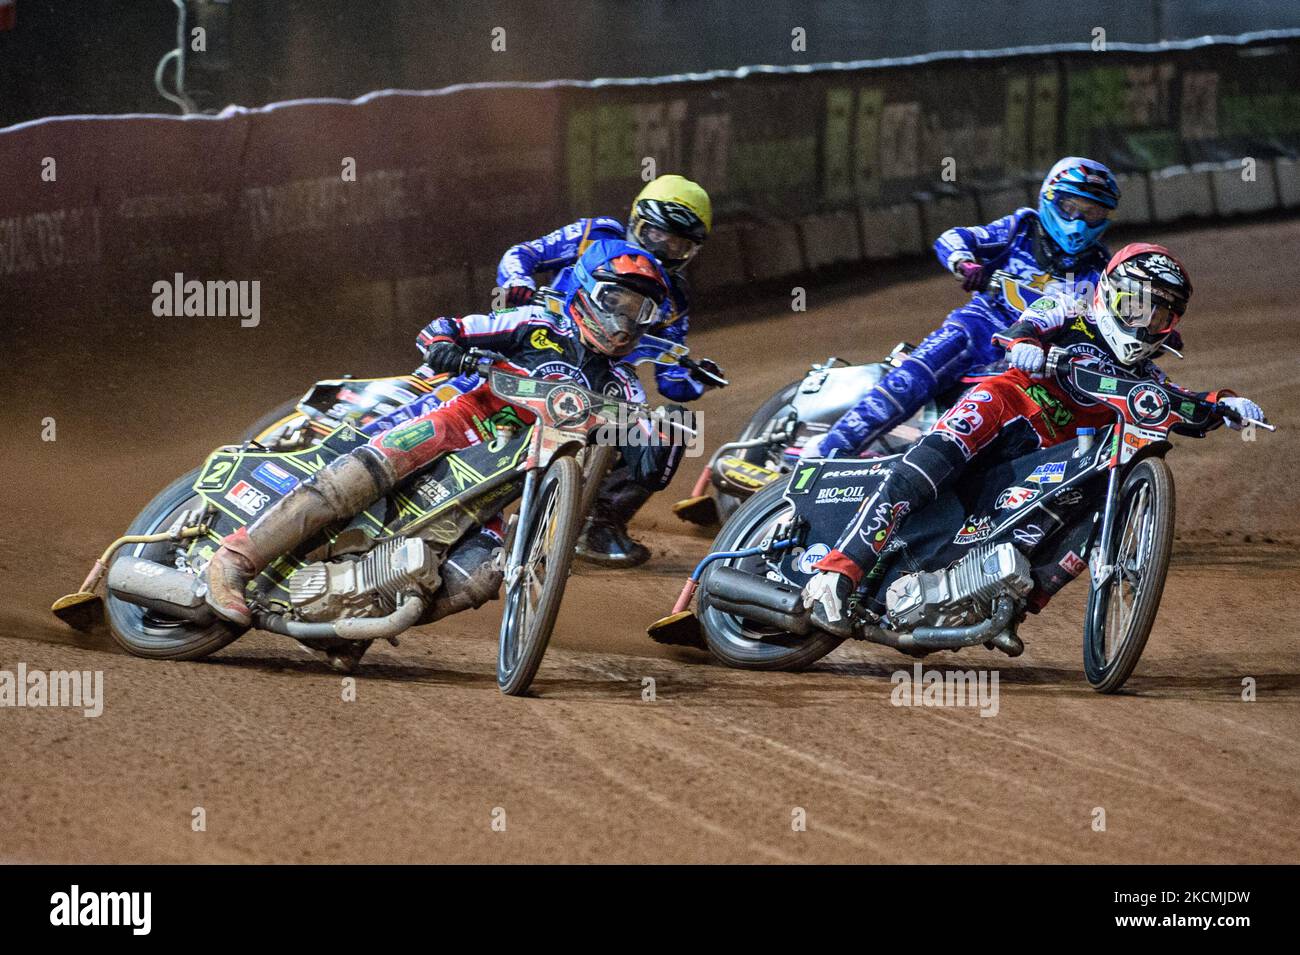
821,590
813,449
1244,407
1028,357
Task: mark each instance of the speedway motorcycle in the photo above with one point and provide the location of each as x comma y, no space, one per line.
387,569
768,446
961,571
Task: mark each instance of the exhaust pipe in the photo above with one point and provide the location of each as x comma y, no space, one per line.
755,598
407,614
925,640
157,587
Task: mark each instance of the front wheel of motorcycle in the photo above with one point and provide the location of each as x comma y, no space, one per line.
1122,611
738,642
145,633
533,595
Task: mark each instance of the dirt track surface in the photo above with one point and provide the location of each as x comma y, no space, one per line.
713,769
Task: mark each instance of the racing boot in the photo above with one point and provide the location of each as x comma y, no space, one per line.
606,542
346,486
828,595
605,539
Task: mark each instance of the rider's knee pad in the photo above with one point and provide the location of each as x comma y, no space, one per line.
929,464
943,354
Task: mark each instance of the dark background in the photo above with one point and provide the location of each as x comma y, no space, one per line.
98,56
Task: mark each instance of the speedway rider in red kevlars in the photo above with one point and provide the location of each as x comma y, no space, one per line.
1140,298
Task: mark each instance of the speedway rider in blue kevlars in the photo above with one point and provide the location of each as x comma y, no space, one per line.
670,219
1056,249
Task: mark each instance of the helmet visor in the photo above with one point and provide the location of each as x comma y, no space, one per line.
623,306
616,316
664,245
1072,208
1137,306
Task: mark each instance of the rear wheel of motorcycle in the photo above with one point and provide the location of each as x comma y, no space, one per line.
532,602
264,427
145,633
1122,611
764,416
733,640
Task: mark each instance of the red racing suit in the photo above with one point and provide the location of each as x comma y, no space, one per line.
535,341
1009,415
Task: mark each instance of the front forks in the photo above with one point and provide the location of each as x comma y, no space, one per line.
1101,562
515,563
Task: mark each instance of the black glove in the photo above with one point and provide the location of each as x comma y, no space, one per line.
709,374
446,358
519,295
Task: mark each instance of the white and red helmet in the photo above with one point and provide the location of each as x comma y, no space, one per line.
1140,298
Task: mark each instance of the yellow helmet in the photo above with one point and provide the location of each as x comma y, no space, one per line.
671,218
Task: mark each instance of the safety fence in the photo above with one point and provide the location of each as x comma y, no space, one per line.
411,197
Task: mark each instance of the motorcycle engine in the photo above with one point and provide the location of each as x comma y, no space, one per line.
960,595
366,586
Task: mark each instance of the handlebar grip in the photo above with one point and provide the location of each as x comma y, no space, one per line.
1228,414
479,361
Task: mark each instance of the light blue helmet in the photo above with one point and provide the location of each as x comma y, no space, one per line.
1075,176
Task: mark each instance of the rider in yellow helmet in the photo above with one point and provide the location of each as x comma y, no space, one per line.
670,218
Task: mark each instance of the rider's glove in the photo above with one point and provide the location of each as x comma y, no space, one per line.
1244,407
1027,356
707,372
446,358
519,295
971,275
813,447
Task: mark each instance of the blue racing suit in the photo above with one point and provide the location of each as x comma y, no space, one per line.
558,251
1015,244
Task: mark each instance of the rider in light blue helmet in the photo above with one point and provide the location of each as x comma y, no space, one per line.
1075,202
1056,247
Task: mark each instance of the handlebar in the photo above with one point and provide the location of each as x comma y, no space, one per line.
1057,355
479,361
482,361
702,373
1228,414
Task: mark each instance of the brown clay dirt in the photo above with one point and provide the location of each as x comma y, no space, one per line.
585,770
